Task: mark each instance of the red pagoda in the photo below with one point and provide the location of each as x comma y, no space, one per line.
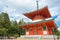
43,27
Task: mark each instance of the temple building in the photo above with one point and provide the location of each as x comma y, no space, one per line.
41,27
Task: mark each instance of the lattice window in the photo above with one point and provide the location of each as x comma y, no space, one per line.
35,32
44,28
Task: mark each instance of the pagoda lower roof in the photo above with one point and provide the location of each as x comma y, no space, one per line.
49,23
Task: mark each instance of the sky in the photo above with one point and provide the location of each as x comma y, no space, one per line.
16,8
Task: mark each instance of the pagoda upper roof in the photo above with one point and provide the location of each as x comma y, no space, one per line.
44,12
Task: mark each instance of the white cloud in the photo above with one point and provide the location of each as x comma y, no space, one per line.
20,2
1,3
13,14
52,3
16,8
42,3
58,19
59,28
54,11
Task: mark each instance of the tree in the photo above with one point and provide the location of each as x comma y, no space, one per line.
3,32
4,24
13,30
5,20
21,30
21,22
10,28
56,32
1,21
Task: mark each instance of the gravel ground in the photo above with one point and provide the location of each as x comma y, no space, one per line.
31,39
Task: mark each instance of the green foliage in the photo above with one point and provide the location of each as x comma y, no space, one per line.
13,30
5,20
22,31
10,28
21,22
3,32
56,32
4,24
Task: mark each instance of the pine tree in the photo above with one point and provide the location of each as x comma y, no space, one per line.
21,22
21,30
5,20
13,30
4,24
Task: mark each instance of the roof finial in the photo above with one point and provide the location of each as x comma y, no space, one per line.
37,5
